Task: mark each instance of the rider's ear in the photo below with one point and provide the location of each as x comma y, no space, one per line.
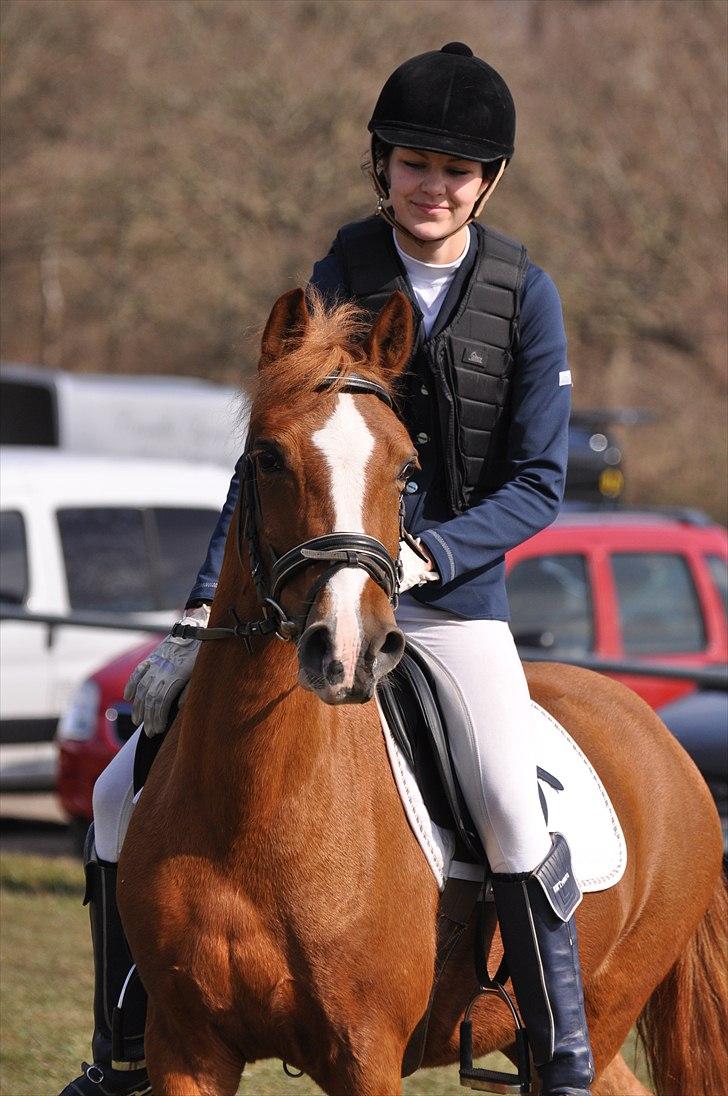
286,326
389,344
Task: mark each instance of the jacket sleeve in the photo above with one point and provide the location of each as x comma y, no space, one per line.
537,446
209,574
327,278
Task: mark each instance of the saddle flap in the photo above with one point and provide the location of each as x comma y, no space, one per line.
419,699
411,698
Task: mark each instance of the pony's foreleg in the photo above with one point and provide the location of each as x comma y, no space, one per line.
211,1069
619,1080
370,1066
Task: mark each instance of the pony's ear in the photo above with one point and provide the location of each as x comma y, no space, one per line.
389,343
286,326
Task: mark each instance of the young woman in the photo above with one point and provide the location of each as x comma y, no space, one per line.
487,404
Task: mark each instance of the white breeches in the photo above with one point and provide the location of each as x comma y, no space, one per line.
493,751
113,801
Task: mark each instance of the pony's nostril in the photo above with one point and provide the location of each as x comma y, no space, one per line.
393,645
335,672
313,648
385,652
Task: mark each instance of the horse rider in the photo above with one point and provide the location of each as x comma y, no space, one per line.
487,403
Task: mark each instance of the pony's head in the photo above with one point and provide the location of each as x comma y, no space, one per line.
329,458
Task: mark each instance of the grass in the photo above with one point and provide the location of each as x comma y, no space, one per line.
46,991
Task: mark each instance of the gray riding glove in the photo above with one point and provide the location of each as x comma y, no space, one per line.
163,676
414,569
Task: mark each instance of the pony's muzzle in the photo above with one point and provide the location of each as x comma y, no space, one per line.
338,679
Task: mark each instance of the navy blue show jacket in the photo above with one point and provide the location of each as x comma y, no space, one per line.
468,549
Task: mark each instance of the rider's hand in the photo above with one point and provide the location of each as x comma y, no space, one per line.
415,572
162,676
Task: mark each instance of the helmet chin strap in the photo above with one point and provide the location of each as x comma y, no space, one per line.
385,211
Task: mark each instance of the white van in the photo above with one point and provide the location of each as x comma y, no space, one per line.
81,533
174,418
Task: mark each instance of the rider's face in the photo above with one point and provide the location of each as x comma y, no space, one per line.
432,194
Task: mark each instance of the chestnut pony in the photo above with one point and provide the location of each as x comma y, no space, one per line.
274,897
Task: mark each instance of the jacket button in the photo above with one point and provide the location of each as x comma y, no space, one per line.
422,438
425,390
412,487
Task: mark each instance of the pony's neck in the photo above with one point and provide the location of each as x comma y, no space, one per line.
247,723
263,752
248,726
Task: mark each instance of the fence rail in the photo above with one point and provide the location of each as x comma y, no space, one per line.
707,677
82,620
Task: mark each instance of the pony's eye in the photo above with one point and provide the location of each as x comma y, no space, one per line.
269,460
407,471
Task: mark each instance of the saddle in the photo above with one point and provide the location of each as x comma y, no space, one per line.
418,702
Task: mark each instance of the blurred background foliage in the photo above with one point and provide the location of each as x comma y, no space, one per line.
171,166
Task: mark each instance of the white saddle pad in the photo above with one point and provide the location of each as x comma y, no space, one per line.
582,812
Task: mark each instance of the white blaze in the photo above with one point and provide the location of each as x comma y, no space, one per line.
347,444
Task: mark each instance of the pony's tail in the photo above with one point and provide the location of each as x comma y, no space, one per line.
684,1025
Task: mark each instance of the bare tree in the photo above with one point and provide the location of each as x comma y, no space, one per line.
168,169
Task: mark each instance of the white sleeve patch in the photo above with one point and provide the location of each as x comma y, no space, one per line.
564,377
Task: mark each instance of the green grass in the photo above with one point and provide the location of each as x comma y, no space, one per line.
46,991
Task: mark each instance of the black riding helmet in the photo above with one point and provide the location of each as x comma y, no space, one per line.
447,101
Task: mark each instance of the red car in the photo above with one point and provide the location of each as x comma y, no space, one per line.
613,585
625,586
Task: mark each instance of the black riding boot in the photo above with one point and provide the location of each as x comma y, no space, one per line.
120,1003
535,912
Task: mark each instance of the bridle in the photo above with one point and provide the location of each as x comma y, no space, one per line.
339,550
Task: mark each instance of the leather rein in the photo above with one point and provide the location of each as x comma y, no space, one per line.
339,550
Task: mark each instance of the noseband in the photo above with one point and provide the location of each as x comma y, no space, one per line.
339,550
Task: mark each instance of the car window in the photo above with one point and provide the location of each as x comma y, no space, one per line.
107,559
659,611
183,536
128,559
13,558
551,605
719,573
28,414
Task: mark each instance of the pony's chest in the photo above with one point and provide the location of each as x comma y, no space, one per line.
219,946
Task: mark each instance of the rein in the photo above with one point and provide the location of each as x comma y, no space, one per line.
339,550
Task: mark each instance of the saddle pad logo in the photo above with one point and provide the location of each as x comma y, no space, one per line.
475,355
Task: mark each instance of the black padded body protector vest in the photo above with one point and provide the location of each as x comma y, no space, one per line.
471,359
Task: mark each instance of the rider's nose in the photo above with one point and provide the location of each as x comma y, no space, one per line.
433,183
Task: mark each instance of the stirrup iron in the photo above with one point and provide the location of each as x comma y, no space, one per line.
493,1080
475,1077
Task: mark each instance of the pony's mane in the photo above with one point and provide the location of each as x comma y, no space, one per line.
333,343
